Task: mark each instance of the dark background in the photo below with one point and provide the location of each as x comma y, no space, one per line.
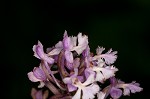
117,24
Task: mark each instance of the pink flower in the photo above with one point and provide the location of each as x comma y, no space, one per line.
130,88
37,75
39,53
76,72
114,88
70,44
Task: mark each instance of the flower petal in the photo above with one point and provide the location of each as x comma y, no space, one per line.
41,85
90,91
99,77
126,92
109,71
76,62
133,87
74,41
39,73
115,93
86,52
71,87
82,40
89,80
49,59
32,77
39,53
38,50
67,43
77,94
82,43
55,51
101,95
69,56
67,80
59,45
99,50
110,57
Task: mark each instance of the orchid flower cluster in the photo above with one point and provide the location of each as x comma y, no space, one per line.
70,71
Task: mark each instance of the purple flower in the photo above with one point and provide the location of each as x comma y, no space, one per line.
70,44
39,53
114,88
37,75
130,87
70,71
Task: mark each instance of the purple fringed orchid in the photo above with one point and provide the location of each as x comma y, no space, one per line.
70,44
114,88
70,71
37,75
39,53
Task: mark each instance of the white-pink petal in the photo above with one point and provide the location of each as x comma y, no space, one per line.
109,72
101,95
89,80
82,39
41,85
90,91
110,57
77,94
133,87
59,45
32,77
99,77
35,54
82,43
99,50
74,40
55,51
